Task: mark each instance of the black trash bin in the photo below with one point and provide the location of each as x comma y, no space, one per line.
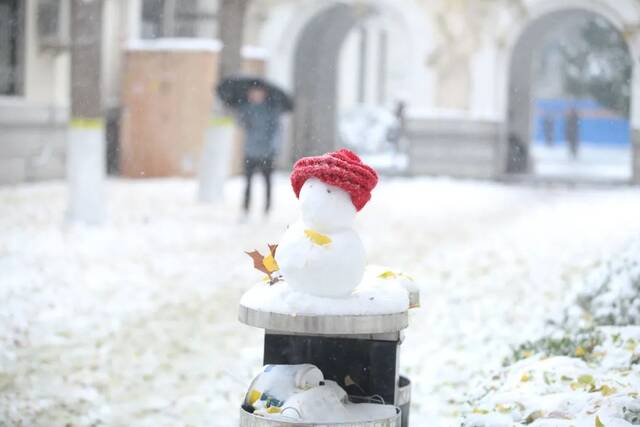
360,353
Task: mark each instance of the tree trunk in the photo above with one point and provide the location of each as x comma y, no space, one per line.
231,16
85,146
86,44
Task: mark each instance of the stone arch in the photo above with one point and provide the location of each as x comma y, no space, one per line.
315,79
524,38
304,41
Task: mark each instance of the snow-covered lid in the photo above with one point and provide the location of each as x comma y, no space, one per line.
379,305
176,44
335,324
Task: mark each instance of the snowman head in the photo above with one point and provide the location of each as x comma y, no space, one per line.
325,207
340,169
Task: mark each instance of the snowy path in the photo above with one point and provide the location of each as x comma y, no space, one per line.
135,324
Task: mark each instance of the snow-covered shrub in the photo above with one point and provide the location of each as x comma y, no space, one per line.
608,296
586,369
611,293
563,343
542,390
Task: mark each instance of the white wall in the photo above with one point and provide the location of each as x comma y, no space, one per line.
396,74
348,71
484,102
46,73
121,24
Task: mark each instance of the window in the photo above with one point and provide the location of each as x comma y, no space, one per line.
173,18
10,47
152,19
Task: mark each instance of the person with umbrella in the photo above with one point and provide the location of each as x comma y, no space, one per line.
258,106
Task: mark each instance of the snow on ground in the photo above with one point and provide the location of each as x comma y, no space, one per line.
134,323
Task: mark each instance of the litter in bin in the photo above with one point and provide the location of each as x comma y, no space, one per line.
300,393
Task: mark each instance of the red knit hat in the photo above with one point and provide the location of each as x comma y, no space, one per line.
341,168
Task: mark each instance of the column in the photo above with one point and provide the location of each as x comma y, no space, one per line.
86,145
362,65
382,67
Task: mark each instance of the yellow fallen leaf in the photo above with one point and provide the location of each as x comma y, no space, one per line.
505,409
479,411
580,351
387,275
317,238
274,410
586,379
631,344
270,263
606,390
525,377
534,416
598,422
254,395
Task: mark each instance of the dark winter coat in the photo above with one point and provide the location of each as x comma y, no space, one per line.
261,124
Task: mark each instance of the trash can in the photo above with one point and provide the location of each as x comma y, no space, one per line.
359,352
404,398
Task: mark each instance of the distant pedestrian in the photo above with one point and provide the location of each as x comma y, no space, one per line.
395,134
258,105
548,128
572,132
261,123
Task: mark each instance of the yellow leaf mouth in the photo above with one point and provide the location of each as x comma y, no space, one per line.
387,275
317,238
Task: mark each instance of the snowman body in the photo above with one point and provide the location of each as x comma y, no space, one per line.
334,265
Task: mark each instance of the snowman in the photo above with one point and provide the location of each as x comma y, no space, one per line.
321,254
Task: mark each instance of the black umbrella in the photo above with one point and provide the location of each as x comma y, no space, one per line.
233,91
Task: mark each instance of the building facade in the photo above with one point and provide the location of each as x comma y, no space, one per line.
36,69
462,67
